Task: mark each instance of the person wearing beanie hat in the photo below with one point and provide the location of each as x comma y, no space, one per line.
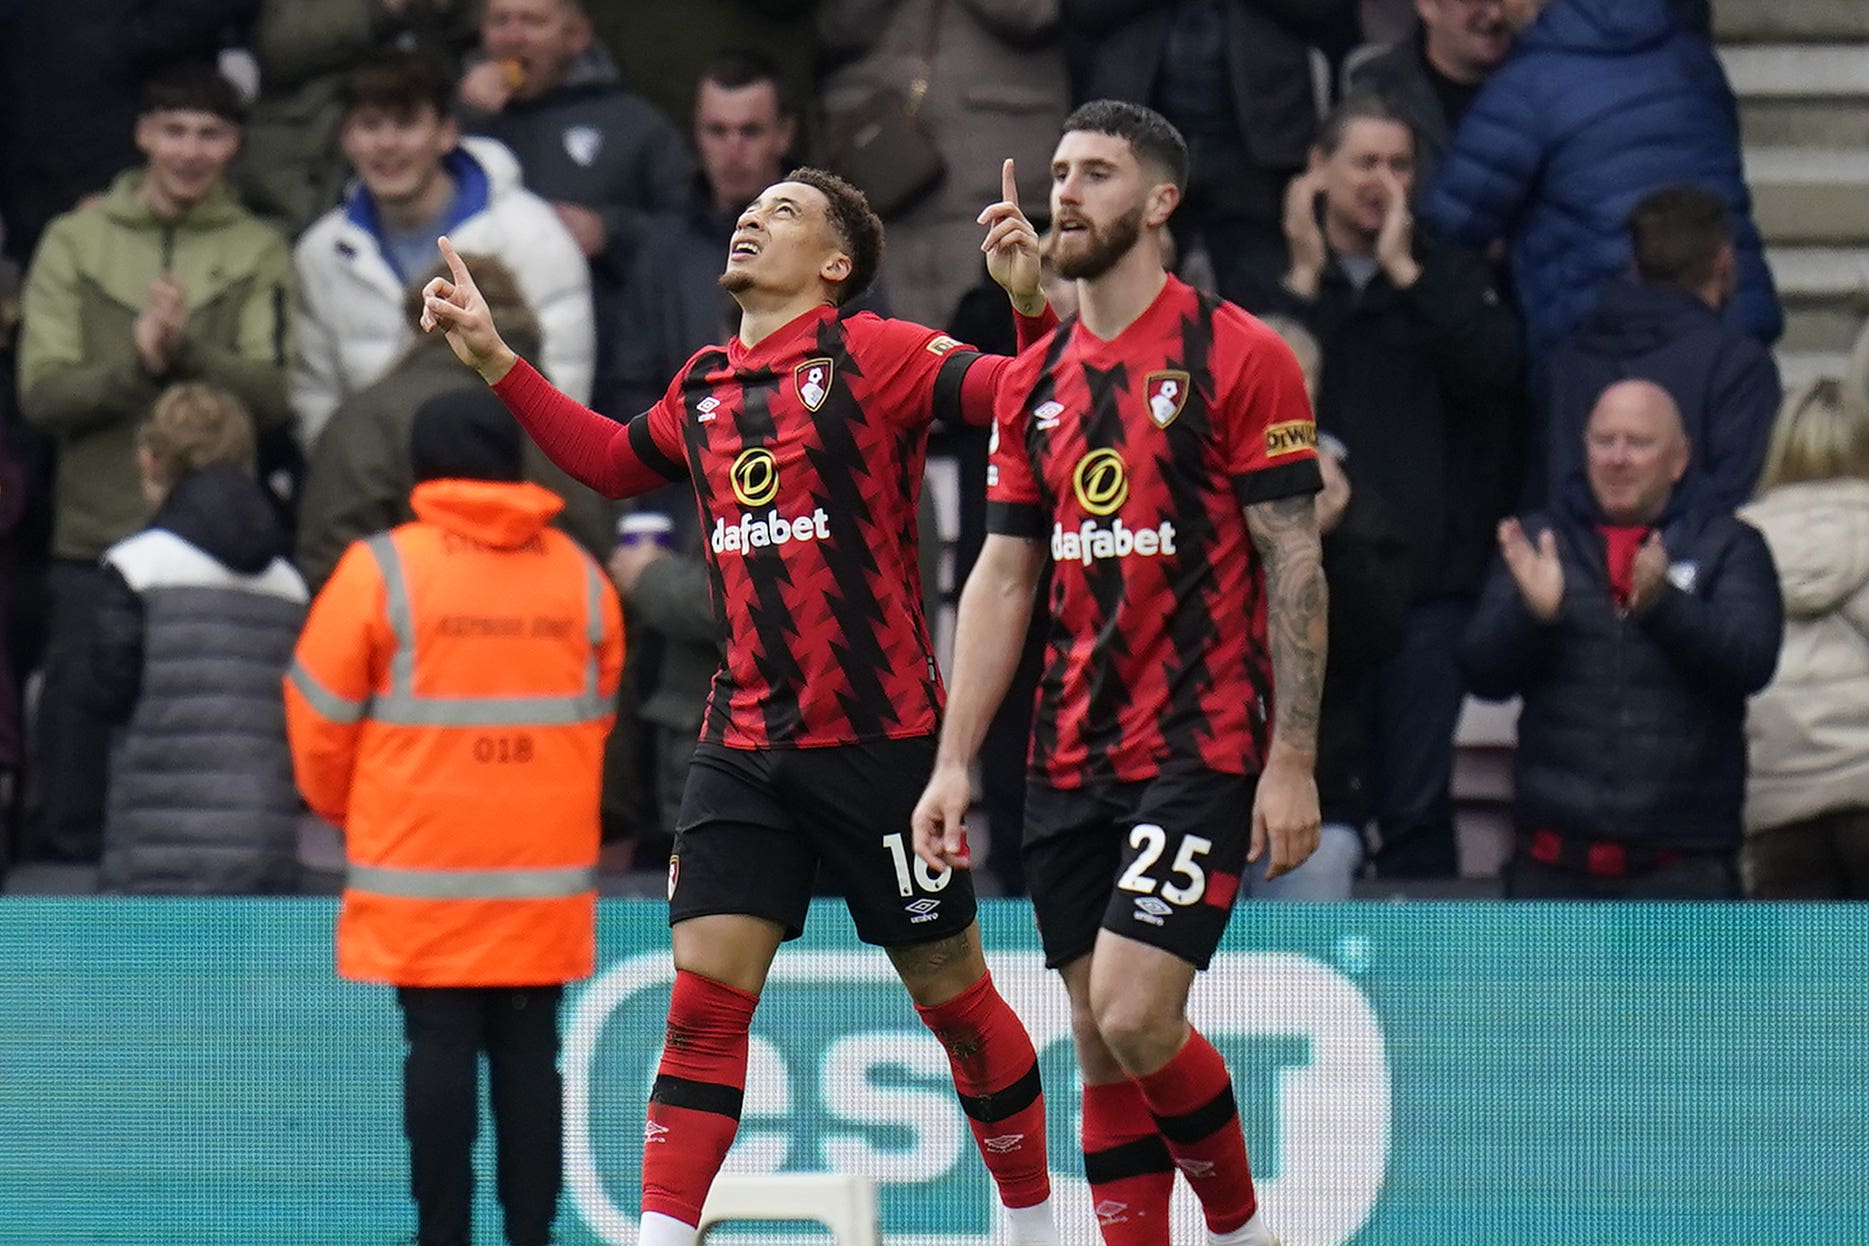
466,434
447,709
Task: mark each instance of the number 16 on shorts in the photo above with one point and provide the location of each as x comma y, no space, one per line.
904,861
1179,882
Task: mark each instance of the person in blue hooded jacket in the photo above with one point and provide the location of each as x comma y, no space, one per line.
1601,102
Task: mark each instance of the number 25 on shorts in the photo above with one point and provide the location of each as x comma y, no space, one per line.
1186,882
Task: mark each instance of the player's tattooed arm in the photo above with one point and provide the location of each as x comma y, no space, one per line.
1284,531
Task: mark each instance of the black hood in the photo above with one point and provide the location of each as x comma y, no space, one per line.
224,512
1632,320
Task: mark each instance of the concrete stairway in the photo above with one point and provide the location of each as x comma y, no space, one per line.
1801,71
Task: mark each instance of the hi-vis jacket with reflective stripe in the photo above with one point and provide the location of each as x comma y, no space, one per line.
447,706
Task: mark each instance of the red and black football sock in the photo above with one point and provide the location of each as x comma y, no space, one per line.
1191,1098
996,1074
1130,1171
694,1109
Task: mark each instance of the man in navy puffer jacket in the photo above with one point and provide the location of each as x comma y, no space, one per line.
1601,102
1634,626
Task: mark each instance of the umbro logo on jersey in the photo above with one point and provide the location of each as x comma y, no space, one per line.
1005,1144
652,1132
1109,1211
707,406
813,380
1045,415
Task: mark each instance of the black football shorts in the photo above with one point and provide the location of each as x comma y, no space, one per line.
1157,861
756,824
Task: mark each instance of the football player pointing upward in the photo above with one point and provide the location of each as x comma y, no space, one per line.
1161,447
804,438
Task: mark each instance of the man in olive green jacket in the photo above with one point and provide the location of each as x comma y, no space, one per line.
165,278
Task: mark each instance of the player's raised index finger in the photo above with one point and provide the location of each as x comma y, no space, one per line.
1008,183
456,265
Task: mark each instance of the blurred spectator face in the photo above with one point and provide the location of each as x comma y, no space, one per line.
781,242
542,37
1097,202
398,152
1466,38
187,152
1356,193
1521,13
742,138
1635,451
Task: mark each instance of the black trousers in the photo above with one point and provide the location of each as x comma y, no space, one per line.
447,1029
70,765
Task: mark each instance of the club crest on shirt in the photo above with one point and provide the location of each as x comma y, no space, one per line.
813,380
583,142
1167,393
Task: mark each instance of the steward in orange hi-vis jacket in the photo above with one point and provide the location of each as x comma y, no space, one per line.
447,707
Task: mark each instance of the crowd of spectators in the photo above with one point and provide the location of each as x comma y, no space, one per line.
1512,242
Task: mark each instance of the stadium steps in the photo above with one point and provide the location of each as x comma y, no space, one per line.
1801,71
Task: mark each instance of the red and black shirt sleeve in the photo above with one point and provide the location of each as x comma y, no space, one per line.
920,370
1014,504
617,460
1268,432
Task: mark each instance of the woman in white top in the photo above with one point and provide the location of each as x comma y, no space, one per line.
1807,799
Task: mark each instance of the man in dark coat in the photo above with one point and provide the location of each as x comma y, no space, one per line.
1665,324
1634,627
602,156
1420,384
1235,78
1432,76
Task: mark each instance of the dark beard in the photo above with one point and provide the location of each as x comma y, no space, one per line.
1107,246
734,281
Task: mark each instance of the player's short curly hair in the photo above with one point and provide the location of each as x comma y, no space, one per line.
859,230
1150,135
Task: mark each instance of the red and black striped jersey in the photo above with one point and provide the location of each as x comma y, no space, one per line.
806,454
1133,459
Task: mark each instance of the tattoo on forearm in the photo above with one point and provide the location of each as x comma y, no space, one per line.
1285,534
